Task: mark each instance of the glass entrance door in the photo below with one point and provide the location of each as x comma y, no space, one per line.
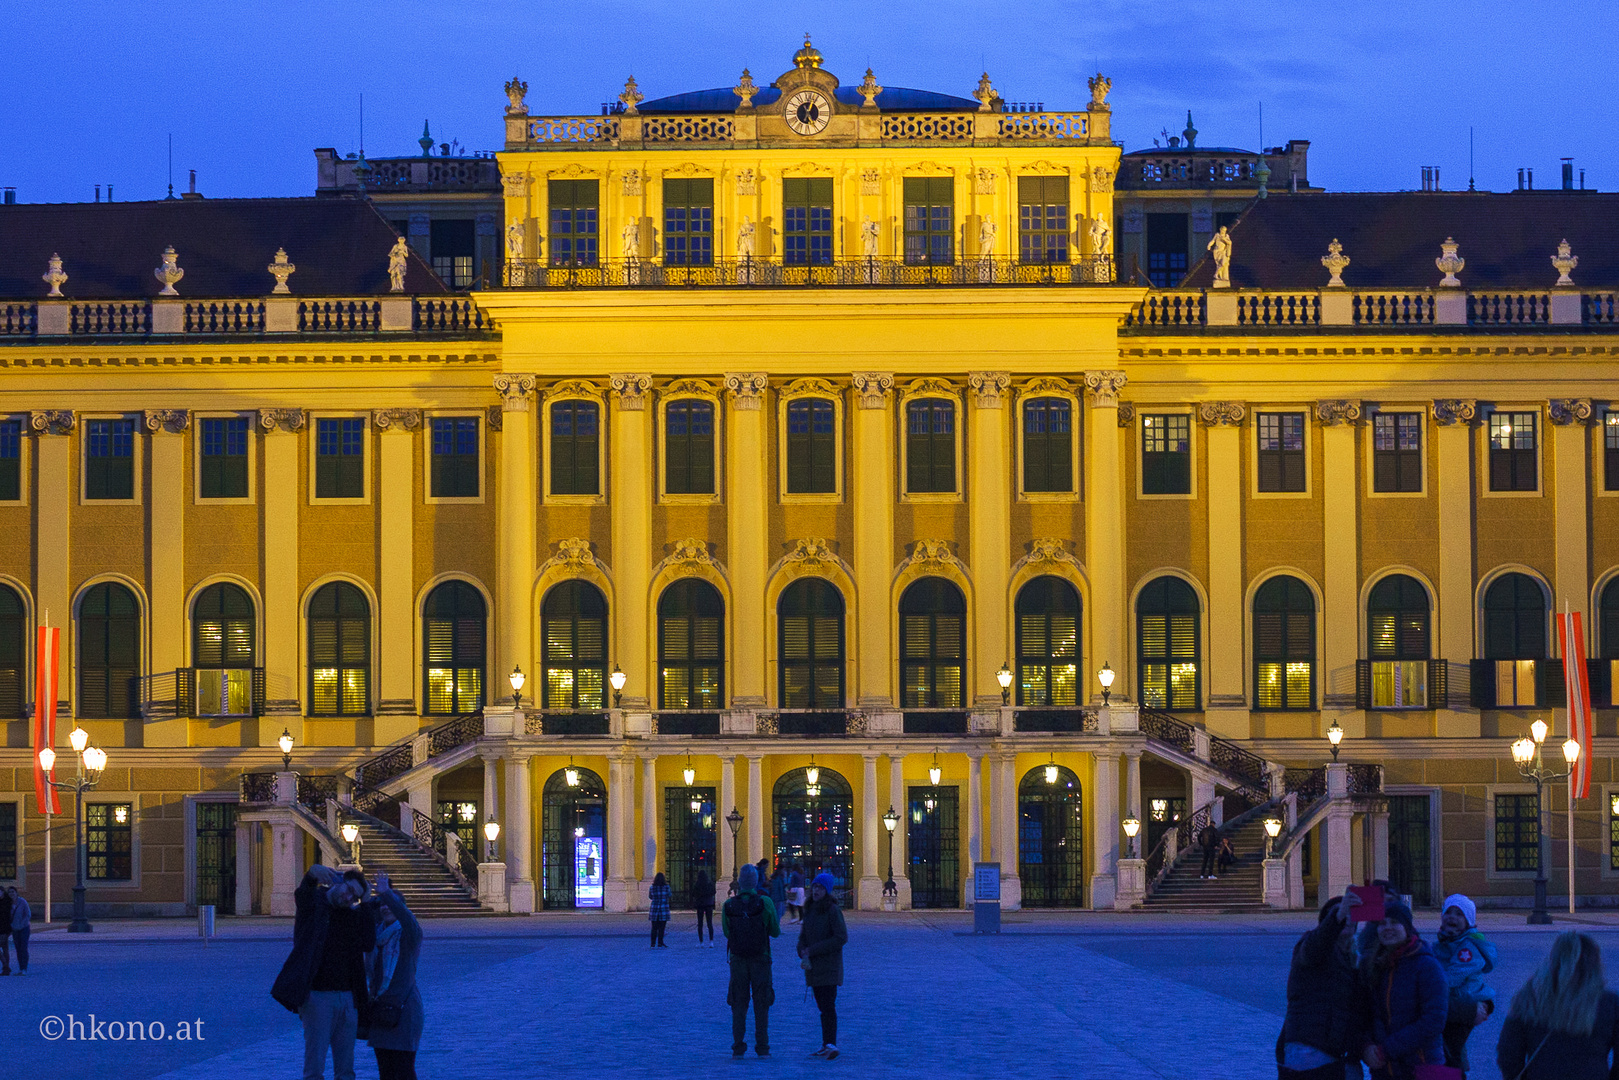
573,845
814,827
931,838
688,840
216,856
1410,853
1051,839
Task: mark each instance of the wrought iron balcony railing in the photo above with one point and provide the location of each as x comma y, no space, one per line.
766,273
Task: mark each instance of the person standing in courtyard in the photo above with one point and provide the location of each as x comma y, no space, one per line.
1409,999
1467,956
778,888
1323,1031
1564,1022
5,931
748,920
822,935
795,892
1209,840
702,898
21,928
658,910
394,1017
323,978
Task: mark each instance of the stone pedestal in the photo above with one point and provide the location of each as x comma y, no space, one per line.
492,886
1011,893
502,721
635,725
1132,888
1567,308
395,313
869,894
286,864
616,894
1222,308
1337,307
1450,307
522,897
1276,891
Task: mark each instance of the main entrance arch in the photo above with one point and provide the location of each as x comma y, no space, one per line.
814,827
573,844
1051,838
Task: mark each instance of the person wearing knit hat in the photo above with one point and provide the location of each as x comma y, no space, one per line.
748,920
1467,956
821,937
1409,998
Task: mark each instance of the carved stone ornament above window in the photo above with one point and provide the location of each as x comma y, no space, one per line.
632,182
1036,387
407,419
514,390
1447,411
988,387
1104,387
288,420
1048,550
747,389
932,553
932,386
1337,412
52,421
1222,413
689,552
871,388
984,182
572,388
1127,414
631,391
809,386
690,388
1565,411
1101,178
812,551
745,183
573,554
871,182
173,421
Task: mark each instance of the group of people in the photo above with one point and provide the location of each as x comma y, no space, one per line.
15,926
352,974
1218,856
1373,991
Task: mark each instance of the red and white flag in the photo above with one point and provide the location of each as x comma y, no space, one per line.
45,678
1577,679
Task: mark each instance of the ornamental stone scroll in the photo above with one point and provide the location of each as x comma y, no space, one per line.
1448,411
1337,412
1222,413
871,388
1565,411
1104,387
495,417
747,389
173,421
812,551
405,419
52,421
288,420
1127,414
514,390
632,390
573,556
932,553
988,387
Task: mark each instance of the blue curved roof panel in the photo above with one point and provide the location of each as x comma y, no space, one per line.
724,100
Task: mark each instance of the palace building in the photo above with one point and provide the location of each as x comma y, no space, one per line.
788,492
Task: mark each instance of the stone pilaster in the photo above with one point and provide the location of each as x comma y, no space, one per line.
517,483
1227,701
1104,528
279,549
630,505
873,500
989,499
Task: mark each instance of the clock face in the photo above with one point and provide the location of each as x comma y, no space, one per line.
808,112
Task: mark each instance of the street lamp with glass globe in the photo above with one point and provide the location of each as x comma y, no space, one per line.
1132,825
285,743
351,837
491,833
1273,829
1528,754
1335,735
1105,677
91,761
1004,677
517,679
618,679
890,821
734,820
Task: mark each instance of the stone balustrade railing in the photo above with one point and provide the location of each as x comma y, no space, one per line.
1293,309
268,317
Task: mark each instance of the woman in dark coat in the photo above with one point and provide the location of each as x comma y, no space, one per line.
393,984
1410,999
821,938
1564,1023
702,898
1326,1009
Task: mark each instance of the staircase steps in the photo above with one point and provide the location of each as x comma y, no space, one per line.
427,887
1240,889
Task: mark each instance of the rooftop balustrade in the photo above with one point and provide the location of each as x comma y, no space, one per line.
767,273
268,318
1177,310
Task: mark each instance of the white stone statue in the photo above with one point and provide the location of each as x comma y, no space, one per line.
630,239
1101,235
514,241
1221,246
744,239
986,237
398,257
868,238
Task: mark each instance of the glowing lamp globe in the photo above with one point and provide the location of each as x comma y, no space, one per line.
80,738
491,830
47,759
934,773
1273,827
1571,751
1131,827
351,832
95,759
1539,730
1051,773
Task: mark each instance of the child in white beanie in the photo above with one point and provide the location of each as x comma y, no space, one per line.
1467,956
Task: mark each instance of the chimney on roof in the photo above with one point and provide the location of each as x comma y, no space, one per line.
10,196
1568,174
193,193
98,193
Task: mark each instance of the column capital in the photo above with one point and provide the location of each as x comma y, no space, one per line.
1222,413
288,420
871,388
1447,411
1342,411
1132,755
406,419
52,421
747,389
1565,411
514,389
988,387
173,421
632,389
1104,387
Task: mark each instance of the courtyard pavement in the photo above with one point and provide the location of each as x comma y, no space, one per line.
1092,996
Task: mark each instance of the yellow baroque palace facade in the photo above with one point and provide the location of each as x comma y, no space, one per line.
810,460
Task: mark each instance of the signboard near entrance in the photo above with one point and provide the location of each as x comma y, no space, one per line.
987,898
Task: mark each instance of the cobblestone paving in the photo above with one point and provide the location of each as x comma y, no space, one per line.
1056,995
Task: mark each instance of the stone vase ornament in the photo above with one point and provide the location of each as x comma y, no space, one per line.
169,273
281,269
516,91
1563,262
53,275
1335,260
1450,264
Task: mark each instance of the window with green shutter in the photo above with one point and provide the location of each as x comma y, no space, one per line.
1042,219
109,459
1281,451
810,661
1048,445
1166,454
1168,629
222,650
930,445
1513,452
691,646
806,221
812,449
454,457
224,457
1284,645
573,213
688,222
340,458
109,653
1398,643
932,645
8,841
453,636
573,647
339,651
13,652
1397,452
1048,660
689,447
930,225
10,460
575,448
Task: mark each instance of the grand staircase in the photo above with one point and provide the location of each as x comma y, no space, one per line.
426,885
1240,889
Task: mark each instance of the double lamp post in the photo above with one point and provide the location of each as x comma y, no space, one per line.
91,761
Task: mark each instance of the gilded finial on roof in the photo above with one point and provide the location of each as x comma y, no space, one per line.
807,57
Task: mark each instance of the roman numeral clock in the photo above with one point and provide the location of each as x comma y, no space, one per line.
808,112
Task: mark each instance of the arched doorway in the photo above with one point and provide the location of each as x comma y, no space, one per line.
690,840
814,826
932,835
1051,838
573,843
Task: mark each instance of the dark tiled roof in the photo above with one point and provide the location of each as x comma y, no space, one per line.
724,100
109,250
1392,240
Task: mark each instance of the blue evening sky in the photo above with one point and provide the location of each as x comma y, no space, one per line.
93,90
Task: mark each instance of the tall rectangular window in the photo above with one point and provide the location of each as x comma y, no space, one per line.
929,219
1166,249
10,460
340,458
688,222
806,221
1610,451
1048,445
453,244
575,448
1281,451
8,841
1517,832
689,447
109,841
224,457
454,457
1397,451
930,445
812,447
1512,452
109,459
1166,454
573,211
1042,203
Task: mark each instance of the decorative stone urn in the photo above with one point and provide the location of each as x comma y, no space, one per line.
1335,260
169,273
1450,264
53,276
281,269
1564,261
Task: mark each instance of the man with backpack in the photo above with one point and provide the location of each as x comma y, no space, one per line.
749,921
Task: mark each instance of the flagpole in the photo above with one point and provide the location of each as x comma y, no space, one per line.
1570,841
49,795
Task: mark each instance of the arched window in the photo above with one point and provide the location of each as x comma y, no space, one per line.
691,646
573,840
1398,643
1048,644
1051,838
1514,639
109,653
809,651
932,645
13,652
1169,646
339,651
453,649
222,650
573,647
1284,645
814,826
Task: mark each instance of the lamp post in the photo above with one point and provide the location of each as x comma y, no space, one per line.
351,837
1529,755
618,679
1051,770
491,833
517,679
734,820
1004,677
285,742
1335,735
1273,829
934,772
90,761
890,820
1105,677
1132,825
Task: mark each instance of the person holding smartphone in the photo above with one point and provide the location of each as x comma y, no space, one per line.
1409,997
1327,1015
